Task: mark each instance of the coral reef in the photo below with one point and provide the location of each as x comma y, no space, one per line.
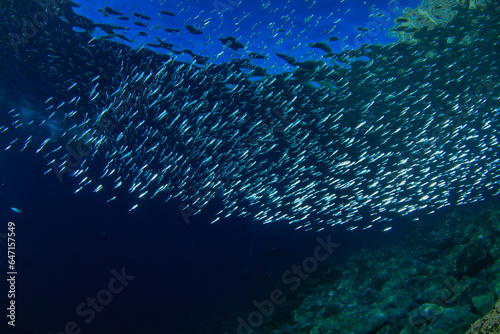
441,279
429,15
488,324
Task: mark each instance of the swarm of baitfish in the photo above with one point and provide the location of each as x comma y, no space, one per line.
383,132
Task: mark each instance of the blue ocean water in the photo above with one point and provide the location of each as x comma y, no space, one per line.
183,278
253,22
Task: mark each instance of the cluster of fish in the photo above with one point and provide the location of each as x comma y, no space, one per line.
389,129
140,22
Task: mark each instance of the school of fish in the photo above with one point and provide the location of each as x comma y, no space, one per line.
354,138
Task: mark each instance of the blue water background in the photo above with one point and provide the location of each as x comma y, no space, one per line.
185,274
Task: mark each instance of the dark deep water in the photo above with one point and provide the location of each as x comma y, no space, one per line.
185,276
200,277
